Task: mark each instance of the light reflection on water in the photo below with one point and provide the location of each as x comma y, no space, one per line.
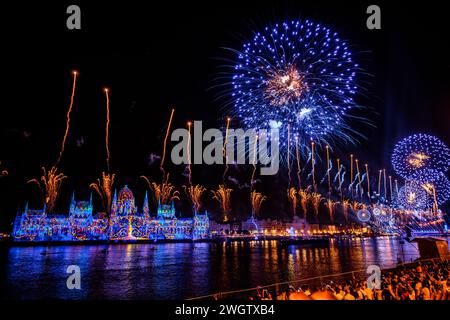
182,270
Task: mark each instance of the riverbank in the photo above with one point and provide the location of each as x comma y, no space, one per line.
312,240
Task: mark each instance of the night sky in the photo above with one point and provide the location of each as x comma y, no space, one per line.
156,57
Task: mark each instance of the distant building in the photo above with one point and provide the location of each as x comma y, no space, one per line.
125,223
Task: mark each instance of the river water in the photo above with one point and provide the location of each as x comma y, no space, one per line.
183,270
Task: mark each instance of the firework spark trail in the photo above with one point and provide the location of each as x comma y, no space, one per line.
52,183
345,206
330,207
108,156
355,205
292,197
299,170
194,193
316,198
327,175
224,149
161,167
223,196
359,185
384,184
162,193
104,189
304,198
342,178
256,200
75,73
338,175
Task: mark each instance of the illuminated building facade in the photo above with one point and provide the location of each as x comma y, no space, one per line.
125,221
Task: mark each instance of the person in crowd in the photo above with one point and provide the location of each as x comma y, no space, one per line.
426,280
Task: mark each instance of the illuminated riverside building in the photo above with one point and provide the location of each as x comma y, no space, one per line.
126,223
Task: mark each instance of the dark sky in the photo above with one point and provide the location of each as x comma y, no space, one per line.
158,56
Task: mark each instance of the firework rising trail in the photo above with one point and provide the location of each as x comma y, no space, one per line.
390,187
350,186
75,73
224,149
368,180
189,154
108,156
299,170
161,167
329,167
379,182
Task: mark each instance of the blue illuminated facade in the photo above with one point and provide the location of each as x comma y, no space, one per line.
125,223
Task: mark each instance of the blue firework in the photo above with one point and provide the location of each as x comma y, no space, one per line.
300,77
413,197
435,183
416,155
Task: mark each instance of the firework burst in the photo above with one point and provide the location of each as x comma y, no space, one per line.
412,197
416,154
299,74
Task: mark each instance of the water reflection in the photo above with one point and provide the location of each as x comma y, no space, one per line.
182,270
